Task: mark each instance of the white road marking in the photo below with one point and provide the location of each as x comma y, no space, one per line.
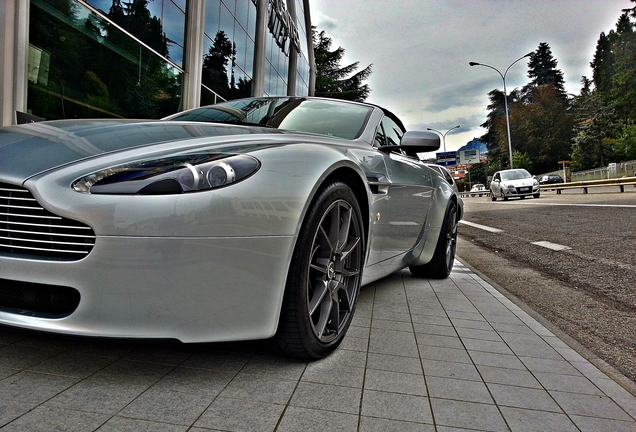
562,204
553,246
481,227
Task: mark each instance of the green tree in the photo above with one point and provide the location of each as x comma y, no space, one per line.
542,130
542,70
333,80
594,124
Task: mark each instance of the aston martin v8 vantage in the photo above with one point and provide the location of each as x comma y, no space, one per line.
251,219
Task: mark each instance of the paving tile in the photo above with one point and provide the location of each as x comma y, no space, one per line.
487,335
12,409
467,415
456,389
355,343
442,330
480,324
474,316
163,406
495,347
439,341
196,381
549,365
395,406
17,357
395,382
567,383
373,424
240,416
394,363
496,359
593,424
72,365
386,324
439,353
273,366
427,318
310,420
47,418
327,397
217,361
340,358
513,377
525,420
327,371
523,397
590,406
392,315
392,342
123,424
33,388
100,395
260,388
450,369
158,353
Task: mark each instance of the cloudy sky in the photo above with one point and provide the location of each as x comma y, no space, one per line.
420,50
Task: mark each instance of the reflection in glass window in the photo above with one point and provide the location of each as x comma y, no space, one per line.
392,131
331,118
74,51
158,23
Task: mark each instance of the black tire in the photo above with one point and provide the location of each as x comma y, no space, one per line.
537,195
503,196
324,277
441,264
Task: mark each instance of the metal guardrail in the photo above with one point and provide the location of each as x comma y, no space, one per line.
585,185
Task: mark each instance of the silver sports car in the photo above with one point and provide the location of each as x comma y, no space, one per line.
252,219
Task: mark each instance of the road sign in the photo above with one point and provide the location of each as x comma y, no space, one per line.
468,157
446,158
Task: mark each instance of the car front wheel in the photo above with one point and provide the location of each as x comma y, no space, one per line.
441,264
324,276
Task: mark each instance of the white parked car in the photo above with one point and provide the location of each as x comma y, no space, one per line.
478,189
512,183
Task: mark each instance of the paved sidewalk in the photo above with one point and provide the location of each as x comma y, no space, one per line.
422,355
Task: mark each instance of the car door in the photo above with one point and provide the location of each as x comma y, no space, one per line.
409,195
495,185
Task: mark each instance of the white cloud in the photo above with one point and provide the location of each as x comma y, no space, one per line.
420,50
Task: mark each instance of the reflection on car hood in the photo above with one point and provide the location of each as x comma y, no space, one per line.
29,149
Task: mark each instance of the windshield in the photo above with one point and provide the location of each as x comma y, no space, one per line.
324,117
515,174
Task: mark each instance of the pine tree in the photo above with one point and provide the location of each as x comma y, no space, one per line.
335,81
542,70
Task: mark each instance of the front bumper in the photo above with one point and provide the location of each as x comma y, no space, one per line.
521,191
189,289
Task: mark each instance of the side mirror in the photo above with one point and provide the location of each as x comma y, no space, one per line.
413,142
420,141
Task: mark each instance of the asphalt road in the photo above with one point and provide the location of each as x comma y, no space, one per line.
570,258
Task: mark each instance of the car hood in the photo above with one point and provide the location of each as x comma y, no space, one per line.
30,149
519,182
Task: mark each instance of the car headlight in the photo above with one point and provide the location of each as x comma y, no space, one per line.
171,175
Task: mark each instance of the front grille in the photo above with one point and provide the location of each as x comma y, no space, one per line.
47,301
28,229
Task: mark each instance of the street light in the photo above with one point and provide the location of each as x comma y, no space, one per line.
443,135
503,77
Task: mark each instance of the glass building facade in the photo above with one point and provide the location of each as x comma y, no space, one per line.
149,58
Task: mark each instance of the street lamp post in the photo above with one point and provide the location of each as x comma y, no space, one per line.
503,77
443,135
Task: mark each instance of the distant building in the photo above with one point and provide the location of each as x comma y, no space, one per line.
148,58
